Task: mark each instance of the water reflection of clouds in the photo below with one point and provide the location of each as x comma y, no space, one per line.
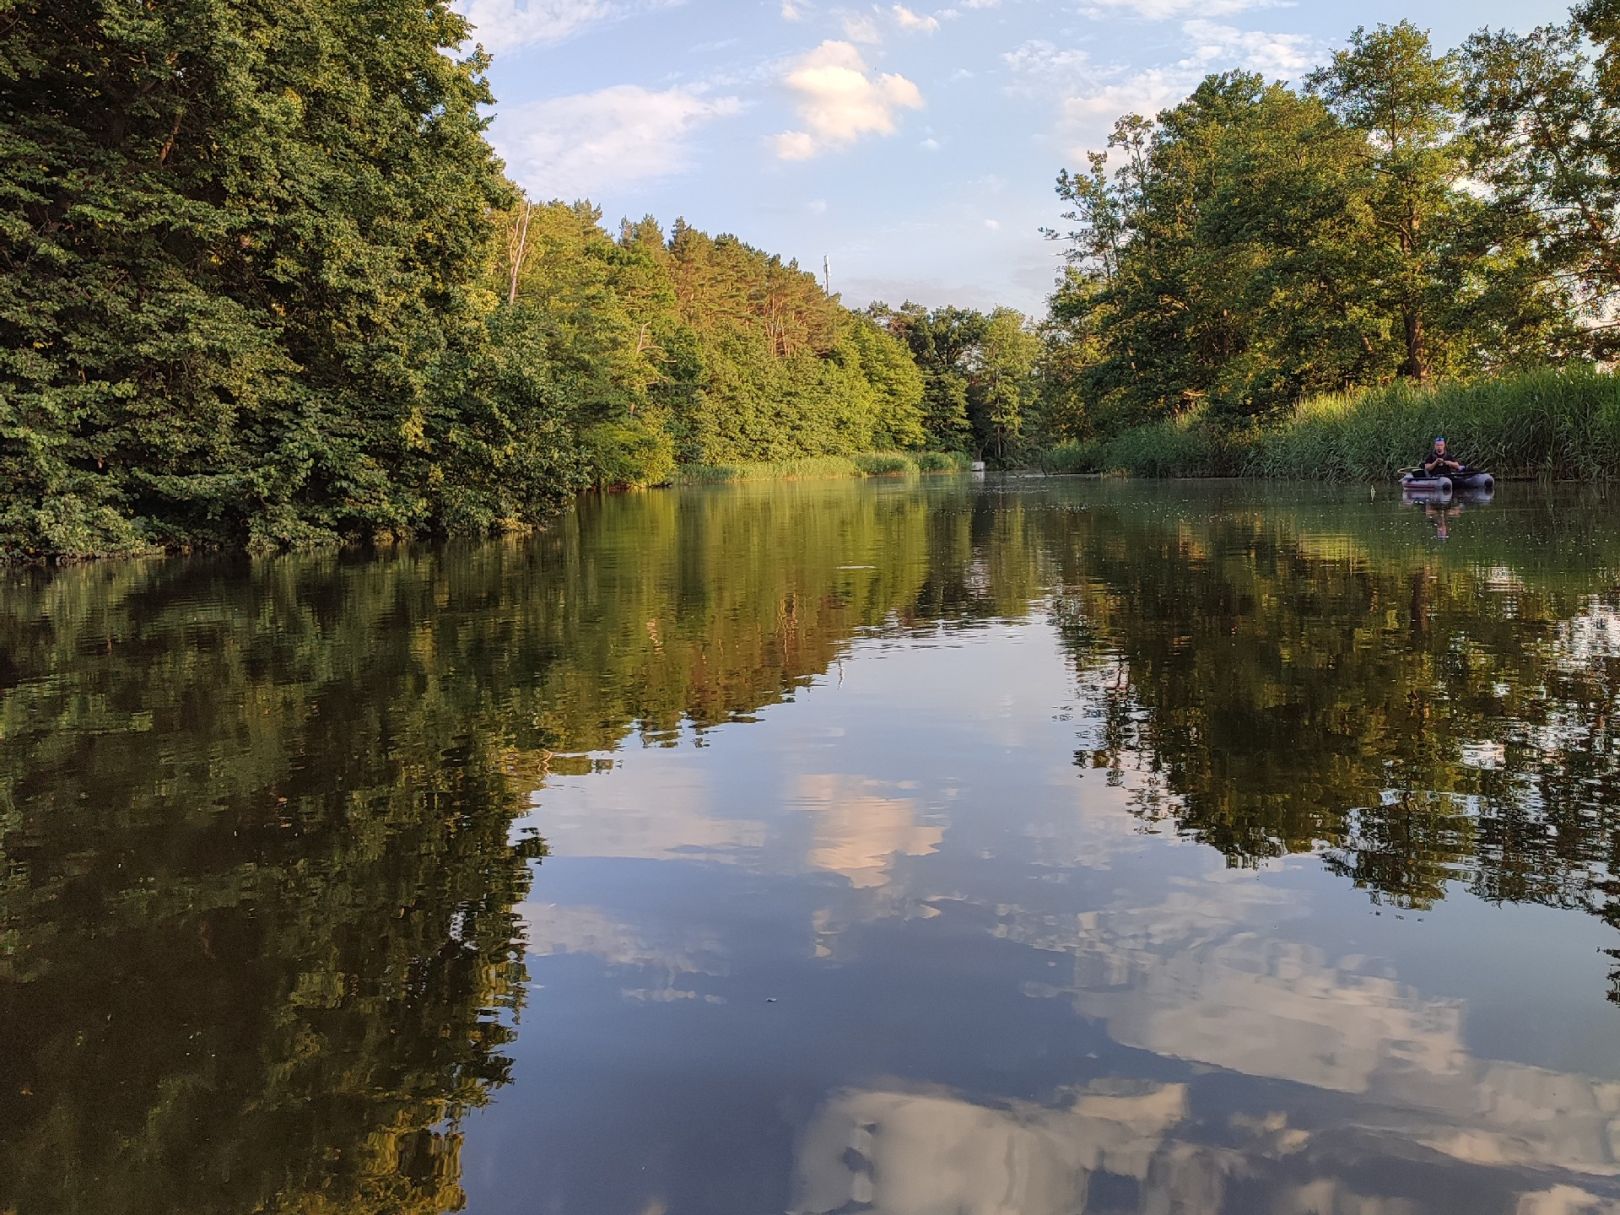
663,812
1112,1148
859,828
1588,635
1212,972
922,1153
1204,976
658,958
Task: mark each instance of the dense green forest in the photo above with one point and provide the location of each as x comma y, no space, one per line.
263,282
1402,215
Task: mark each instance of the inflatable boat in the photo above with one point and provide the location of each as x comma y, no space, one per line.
1468,480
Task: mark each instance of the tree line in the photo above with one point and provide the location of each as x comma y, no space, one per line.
1401,214
263,282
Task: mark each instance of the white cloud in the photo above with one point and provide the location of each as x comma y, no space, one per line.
1089,96
839,101
980,3
930,144
1164,10
571,147
1258,51
914,22
510,25
993,224
1146,92
816,206
792,11
861,27
1039,65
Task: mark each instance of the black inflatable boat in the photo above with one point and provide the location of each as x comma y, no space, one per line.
1467,481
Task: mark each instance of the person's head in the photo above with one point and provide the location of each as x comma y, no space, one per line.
1439,445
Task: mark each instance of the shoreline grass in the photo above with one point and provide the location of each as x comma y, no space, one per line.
806,468
1547,423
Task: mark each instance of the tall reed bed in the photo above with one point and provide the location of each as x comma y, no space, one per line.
1541,423
1552,422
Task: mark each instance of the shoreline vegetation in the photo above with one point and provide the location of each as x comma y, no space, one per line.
291,298
807,468
1553,423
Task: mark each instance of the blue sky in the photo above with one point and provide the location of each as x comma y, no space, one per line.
914,144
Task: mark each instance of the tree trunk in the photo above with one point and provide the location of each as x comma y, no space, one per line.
1416,366
518,247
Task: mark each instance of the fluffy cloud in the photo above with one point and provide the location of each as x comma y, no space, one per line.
1165,10
861,27
1090,96
1094,108
1272,54
906,19
1039,65
571,147
839,100
510,25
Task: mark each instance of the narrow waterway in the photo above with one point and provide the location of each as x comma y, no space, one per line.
948,847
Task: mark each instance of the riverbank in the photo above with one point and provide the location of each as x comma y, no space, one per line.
804,468
1546,423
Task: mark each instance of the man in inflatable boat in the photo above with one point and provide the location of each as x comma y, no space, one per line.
1438,463
1437,471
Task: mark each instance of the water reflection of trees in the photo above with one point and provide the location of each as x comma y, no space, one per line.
259,944
259,938
1419,721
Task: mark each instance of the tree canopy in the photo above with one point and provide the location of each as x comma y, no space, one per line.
263,282
1400,214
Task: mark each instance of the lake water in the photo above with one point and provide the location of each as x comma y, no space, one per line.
1017,847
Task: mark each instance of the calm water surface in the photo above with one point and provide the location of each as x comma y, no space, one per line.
953,848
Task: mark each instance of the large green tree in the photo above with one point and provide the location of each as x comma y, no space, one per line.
1389,85
1256,244
1543,116
236,245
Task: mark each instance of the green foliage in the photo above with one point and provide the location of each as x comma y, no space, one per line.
1070,456
631,454
1558,423
861,464
262,284
977,374
1551,423
885,464
1542,116
1257,245
234,268
734,355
